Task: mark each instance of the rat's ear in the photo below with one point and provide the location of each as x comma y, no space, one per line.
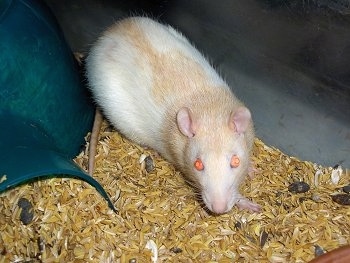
240,119
185,122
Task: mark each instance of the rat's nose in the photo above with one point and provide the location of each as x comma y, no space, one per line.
219,207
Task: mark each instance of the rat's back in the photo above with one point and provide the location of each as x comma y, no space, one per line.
140,71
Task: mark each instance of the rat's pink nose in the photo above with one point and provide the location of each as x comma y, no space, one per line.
219,207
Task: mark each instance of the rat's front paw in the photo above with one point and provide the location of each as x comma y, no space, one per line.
244,203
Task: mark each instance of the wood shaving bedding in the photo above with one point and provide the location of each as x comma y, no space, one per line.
72,222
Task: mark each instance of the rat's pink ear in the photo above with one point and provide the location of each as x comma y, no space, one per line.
185,122
240,119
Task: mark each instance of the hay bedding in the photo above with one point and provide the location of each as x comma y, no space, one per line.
71,222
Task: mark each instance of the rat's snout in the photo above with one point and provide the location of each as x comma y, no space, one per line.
217,196
218,185
216,204
219,206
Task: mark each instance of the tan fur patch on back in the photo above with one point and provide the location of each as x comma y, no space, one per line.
173,72
177,74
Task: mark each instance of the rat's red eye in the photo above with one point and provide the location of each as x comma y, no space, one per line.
234,161
198,164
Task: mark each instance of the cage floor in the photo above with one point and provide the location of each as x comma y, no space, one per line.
66,220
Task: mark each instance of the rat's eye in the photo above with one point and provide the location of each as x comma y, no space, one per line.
198,164
234,161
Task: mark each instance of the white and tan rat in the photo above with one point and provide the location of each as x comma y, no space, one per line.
159,91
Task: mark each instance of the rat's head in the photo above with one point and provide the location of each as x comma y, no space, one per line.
217,154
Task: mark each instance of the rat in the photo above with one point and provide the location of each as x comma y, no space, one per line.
159,91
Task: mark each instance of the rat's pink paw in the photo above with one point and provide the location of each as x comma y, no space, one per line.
244,203
252,171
